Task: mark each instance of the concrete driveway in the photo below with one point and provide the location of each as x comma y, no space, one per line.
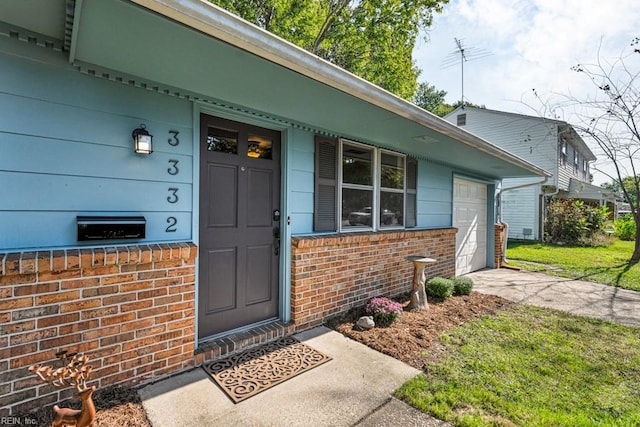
575,296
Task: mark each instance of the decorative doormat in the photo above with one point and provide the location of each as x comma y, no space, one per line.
246,374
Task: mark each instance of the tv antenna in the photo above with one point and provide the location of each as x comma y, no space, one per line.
463,54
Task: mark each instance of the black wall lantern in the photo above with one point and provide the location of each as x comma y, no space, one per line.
142,140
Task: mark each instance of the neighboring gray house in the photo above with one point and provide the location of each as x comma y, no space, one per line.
553,145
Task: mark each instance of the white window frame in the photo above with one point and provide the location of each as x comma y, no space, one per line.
376,188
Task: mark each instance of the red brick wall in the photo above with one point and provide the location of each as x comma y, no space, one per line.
332,273
130,308
500,237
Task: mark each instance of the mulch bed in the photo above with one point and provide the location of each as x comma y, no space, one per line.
414,337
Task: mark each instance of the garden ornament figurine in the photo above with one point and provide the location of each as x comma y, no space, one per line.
74,374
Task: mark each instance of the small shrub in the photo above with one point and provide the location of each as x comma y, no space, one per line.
383,310
573,222
439,287
462,285
625,228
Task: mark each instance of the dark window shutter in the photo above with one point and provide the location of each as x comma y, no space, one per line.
326,184
412,193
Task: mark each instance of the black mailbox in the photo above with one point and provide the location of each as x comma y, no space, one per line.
110,227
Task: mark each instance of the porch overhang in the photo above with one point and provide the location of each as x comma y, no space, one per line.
585,191
199,48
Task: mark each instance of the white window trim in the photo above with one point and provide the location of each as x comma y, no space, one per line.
377,187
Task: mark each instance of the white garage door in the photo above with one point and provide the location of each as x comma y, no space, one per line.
470,218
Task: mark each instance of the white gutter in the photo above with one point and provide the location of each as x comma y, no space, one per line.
502,190
220,24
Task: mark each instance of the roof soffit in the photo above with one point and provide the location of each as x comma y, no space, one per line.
124,37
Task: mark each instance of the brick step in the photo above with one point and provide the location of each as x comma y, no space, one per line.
234,343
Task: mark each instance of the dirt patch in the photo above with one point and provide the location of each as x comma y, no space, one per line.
413,338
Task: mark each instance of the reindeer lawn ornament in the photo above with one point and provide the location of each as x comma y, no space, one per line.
74,374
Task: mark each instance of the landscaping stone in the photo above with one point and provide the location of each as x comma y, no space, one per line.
365,323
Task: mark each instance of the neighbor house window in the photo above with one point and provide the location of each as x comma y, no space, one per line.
576,161
461,119
360,187
563,152
584,166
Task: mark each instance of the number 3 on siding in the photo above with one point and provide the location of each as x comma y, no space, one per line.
173,198
173,170
174,141
172,227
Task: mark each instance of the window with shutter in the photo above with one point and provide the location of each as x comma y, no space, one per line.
360,187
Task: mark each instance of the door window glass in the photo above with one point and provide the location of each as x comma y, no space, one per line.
221,140
259,147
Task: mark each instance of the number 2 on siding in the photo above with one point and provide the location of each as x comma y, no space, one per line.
172,227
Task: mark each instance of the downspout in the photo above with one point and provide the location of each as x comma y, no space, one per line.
500,221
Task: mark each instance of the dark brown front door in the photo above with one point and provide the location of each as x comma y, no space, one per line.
239,234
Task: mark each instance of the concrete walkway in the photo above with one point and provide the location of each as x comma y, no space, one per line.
575,296
354,388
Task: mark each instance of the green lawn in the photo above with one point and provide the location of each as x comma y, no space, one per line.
608,265
529,366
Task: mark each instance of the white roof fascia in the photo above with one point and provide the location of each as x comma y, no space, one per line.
220,24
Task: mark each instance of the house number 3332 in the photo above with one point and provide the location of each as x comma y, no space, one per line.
172,198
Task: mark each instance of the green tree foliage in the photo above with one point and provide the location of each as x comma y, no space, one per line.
432,100
373,39
574,222
630,185
625,227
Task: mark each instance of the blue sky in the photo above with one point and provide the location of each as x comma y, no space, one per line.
532,44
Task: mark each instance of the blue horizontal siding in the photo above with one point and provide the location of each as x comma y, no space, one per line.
301,223
62,85
67,150
42,155
435,195
89,126
302,181
71,193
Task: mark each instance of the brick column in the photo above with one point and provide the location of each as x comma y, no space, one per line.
500,239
